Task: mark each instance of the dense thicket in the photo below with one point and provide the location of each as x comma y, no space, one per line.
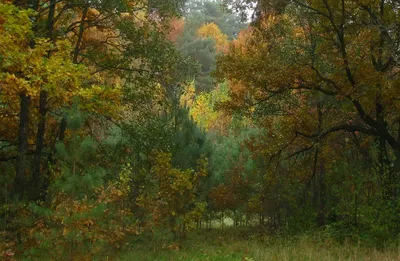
139,120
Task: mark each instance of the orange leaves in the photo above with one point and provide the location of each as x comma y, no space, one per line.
233,192
222,197
93,14
176,29
7,249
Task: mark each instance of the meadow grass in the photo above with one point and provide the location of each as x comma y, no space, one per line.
229,245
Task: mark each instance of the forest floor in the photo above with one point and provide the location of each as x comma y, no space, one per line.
236,245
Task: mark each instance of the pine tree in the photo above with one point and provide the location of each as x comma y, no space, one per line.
85,216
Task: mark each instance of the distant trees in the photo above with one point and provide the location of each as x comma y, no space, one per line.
204,50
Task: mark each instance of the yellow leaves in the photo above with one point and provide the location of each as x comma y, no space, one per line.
46,66
100,99
202,167
125,178
205,113
93,14
298,32
30,65
270,21
188,96
211,30
202,113
65,231
174,192
15,28
27,70
115,192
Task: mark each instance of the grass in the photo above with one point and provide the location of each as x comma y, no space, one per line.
236,245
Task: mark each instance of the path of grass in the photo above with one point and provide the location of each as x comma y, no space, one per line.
225,245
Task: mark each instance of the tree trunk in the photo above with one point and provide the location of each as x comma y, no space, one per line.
37,175
20,182
41,128
396,174
321,174
80,35
322,195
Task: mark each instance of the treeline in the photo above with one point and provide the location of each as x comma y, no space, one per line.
138,120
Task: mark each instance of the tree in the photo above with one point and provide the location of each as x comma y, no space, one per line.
27,71
102,36
316,72
212,31
87,218
171,199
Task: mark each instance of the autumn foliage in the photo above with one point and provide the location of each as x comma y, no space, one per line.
130,121
172,202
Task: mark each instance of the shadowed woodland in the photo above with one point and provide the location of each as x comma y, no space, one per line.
199,130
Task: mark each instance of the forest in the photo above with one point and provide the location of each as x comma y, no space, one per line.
234,130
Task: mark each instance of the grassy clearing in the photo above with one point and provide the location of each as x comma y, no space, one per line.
228,245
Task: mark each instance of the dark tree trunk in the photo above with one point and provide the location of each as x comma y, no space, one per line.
61,137
41,128
321,174
396,174
20,182
80,35
322,195
63,128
